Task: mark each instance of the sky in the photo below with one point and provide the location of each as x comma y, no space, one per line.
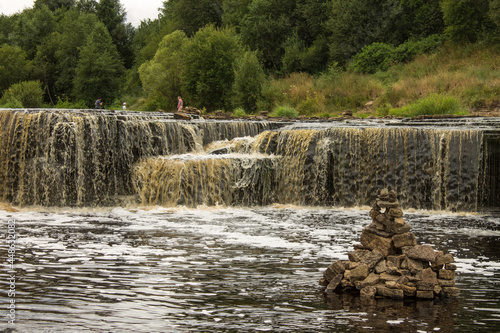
136,10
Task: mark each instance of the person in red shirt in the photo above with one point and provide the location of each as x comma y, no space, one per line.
179,103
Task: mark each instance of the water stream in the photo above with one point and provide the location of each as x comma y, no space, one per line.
230,270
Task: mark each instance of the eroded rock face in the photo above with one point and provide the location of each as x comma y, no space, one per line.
389,262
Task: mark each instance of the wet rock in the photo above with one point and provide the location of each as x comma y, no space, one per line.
444,259
446,283
334,283
450,292
374,242
388,292
425,294
368,292
181,116
359,273
446,274
422,252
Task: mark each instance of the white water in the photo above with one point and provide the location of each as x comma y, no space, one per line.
229,269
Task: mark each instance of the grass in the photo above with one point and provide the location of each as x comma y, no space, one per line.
431,105
451,80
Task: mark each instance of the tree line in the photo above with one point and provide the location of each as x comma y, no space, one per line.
217,54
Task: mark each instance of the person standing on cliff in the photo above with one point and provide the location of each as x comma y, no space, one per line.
180,103
98,103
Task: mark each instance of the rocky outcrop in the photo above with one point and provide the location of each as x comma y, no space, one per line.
390,263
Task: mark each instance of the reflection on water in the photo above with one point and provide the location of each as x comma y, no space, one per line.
230,270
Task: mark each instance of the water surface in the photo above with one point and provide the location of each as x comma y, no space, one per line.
230,270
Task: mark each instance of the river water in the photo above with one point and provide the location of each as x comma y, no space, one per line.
229,270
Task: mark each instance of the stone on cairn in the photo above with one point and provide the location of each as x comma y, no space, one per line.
390,263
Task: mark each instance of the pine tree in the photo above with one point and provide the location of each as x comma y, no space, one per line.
99,69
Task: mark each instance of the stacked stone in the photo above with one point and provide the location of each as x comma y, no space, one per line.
390,263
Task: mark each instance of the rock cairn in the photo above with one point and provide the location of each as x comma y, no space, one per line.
390,263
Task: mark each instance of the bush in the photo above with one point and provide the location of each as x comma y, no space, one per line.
66,104
28,93
373,58
239,112
379,56
248,81
431,105
285,112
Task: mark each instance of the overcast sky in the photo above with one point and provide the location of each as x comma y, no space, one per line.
136,10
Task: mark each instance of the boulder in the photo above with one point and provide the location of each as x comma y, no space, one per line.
406,239
368,292
374,242
388,292
444,259
181,116
446,274
334,283
359,273
422,252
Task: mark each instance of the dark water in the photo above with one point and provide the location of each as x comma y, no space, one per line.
229,270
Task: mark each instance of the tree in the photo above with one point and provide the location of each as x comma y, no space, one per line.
99,68
112,14
266,27
32,25
209,71
248,81
234,11
192,15
357,23
14,67
423,17
465,19
161,77
53,5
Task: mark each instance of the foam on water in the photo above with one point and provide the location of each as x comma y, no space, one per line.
230,269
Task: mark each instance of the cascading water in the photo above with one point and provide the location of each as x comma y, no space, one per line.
439,169
59,158
64,158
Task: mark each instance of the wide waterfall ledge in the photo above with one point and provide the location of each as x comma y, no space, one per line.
89,158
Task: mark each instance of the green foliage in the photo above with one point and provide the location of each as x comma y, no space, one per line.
28,93
99,68
112,14
161,77
380,56
423,17
210,57
234,12
14,66
285,112
239,112
192,15
248,81
266,27
431,105
32,26
67,104
465,19
372,58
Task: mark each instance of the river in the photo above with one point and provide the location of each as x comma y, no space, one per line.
220,269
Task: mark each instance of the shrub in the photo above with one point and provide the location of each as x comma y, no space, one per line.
431,105
28,93
285,112
372,58
239,112
248,81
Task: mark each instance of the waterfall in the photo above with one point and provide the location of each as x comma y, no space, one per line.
88,158
437,169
